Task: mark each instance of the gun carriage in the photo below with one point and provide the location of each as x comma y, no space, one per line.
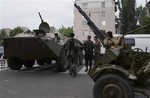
121,71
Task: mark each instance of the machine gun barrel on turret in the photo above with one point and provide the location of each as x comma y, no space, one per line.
100,34
40,17
44,25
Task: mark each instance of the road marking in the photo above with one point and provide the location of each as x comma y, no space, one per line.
82,71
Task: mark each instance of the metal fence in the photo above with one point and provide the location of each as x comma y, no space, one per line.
3,63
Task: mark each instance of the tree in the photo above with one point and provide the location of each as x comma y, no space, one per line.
66,31
127,15
16,31
141,13
2,35
145,21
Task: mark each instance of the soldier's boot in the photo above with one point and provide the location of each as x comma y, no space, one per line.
70,72
90,67
74,71
86,69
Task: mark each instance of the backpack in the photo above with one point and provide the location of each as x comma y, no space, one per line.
71,44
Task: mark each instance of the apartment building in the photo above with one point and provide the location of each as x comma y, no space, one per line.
101,12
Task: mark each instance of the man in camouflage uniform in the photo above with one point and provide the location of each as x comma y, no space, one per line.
113,42
79,47
71,53
88,48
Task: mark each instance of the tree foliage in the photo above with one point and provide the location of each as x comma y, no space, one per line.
2,35
141,13
145,21
65,31
127,15
16,31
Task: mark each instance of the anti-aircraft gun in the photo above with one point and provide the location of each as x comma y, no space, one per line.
121,71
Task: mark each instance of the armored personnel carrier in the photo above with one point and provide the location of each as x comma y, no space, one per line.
121,71
26,48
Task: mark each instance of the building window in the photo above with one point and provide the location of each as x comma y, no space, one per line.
85,5
103,4
103,23
103,13
84,23
85,32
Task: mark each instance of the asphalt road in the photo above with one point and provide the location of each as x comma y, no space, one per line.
45,82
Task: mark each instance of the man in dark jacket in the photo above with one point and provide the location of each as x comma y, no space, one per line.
88,48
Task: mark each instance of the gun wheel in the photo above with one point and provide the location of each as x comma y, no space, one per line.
112,86
138,53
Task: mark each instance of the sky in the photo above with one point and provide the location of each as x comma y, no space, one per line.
24,13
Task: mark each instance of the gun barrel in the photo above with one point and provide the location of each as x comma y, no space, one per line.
101,35
40,17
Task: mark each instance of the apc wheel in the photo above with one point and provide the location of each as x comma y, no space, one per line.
29,63
112,86
40,62
61,62
14,63
49,62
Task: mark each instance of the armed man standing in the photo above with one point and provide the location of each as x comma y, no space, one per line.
88,48
71,52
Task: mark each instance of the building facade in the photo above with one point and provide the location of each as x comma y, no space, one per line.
101,12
